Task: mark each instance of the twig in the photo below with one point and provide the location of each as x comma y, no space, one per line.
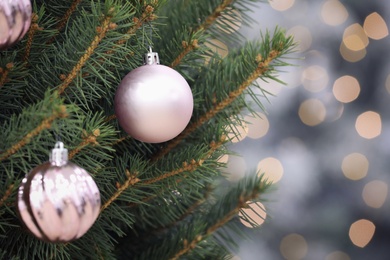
6,195
188,246
4,73
131,180
101,33
213,17
30,36
87,140
45,124
187,48
61,24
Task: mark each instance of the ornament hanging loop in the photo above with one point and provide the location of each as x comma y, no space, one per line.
59,155
151,58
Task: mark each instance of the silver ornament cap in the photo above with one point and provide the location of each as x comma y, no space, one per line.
58,201
59,155
151,58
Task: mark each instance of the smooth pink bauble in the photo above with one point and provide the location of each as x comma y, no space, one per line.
15,20
153,103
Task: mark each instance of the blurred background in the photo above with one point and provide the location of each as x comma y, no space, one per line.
325,138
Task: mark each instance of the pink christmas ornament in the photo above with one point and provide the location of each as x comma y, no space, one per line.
15,20
153,103
58,201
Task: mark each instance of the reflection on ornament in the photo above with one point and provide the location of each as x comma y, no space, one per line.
58,201
15,20
153,103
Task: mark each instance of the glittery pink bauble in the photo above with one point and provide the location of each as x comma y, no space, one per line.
58,201
153,103
15,20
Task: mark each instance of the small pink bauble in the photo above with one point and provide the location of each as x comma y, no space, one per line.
58,201
153,103
15,20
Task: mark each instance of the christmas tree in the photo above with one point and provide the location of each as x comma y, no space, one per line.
159,200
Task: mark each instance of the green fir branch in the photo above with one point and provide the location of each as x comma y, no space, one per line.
190,235
56,112
273,49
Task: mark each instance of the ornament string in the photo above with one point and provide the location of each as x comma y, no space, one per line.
151,35
58,132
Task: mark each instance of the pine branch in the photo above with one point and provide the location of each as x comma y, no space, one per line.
147,16
132,178
191,209
263,66
87,140
45,124
4,73
187,48
6,195
188,246
193,235
204,20
246,195
209,21
214,16
101,33
63,21
196,35
30,36
186,167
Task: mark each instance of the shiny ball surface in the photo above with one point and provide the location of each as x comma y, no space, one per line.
15,21
58,203
153,103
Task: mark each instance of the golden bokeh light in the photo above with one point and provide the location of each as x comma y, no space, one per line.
223,159
375,26
350,55
346,89
315,78
355,38
272,169
235,168
333,13
281,5
375,193
337,255
355,166
312,112
361,232
293,246
254,215
232,25
369,125
258,125
302,36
